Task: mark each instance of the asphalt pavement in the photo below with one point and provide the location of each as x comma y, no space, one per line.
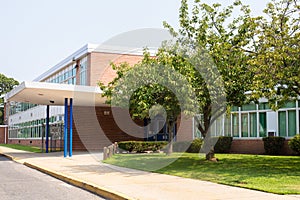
19,182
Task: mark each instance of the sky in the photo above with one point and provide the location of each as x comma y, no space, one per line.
35,35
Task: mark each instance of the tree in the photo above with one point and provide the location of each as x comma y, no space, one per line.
160,91
276,62
229,42
6,84
211,51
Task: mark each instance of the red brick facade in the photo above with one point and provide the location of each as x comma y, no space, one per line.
95,128
255,146
185,129
3,131
37,142
100,68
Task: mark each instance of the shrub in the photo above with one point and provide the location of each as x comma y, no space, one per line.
195,146
294,143
141,146
273,145
128,146
223,144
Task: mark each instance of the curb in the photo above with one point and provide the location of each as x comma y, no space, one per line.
7,156
11,158
106,193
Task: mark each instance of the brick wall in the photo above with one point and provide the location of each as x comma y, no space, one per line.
255,146
3,130
55,144
95,130
185,129
100,68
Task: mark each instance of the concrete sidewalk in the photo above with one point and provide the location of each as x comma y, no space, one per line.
86,170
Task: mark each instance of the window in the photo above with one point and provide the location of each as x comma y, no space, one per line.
227,124
291,123
287,123
83,71
234,108
245,125
235,125
282,123
262,124
253,124
263,106
248,107
219,127
290,104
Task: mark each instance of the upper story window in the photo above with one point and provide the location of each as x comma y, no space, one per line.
83,71
66,75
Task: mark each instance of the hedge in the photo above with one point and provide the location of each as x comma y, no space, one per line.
195,146
294,143
223,144
273,145
141,146
188,146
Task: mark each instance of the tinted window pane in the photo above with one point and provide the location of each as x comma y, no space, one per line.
262,124
282,123
291,123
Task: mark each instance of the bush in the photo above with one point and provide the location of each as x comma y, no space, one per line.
141,146
188,146
273,145
294,143
223,144
195,146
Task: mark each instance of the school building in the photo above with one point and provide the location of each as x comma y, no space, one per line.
67,98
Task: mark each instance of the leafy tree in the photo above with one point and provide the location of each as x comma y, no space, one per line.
276,62
6,84
160,91
211,51
228,41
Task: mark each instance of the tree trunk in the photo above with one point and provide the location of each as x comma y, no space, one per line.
170,139
210,155
208,147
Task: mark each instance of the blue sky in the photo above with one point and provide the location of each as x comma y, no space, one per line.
35,35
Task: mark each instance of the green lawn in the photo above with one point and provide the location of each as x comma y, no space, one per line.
23,147
275,174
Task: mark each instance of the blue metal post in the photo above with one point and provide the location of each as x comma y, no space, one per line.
71,127
66,128
47,128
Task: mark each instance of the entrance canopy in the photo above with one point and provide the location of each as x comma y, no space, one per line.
43,93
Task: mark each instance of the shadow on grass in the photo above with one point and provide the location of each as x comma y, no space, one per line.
276,174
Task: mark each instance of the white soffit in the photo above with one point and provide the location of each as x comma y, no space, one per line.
43,93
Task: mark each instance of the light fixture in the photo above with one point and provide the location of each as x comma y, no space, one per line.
106,112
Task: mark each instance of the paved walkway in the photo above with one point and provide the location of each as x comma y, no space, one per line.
87,171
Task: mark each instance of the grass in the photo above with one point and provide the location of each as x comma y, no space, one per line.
23,147
275,174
